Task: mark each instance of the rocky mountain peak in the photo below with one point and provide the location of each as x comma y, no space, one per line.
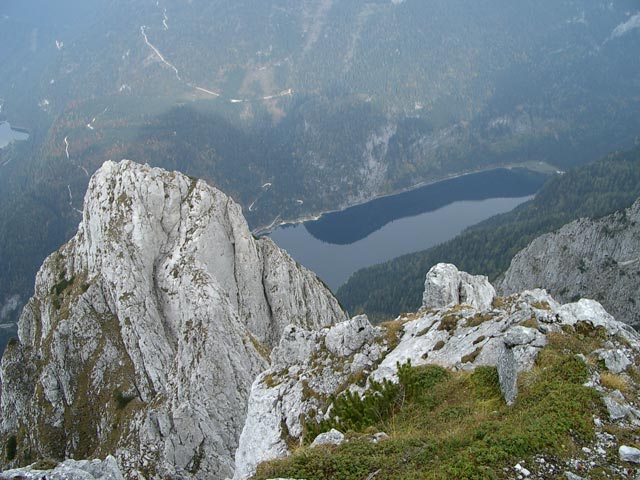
147,329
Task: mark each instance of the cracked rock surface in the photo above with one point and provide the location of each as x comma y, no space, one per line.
598,259
147,329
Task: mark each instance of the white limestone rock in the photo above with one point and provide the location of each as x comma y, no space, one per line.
347,338
586,310
152,323
305,368
106,469
616,360
629,454
619,409
308,367
477,338
261,437
445,285
616,406
332,437
296,346
520,335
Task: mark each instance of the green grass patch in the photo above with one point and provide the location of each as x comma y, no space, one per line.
11,448
447,424
449,322
479,319
62,285
121,399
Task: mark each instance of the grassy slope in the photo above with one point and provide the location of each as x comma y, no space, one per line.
594,190
455,424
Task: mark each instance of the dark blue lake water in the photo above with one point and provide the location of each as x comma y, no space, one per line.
340,243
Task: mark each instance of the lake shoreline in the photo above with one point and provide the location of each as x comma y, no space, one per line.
266,230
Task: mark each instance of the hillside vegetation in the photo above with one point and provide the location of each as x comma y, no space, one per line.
594,190
444,424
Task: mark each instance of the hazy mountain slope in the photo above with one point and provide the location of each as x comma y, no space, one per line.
148,327
595,190
351,98
597,259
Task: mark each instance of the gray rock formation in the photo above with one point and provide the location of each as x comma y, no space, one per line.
309,366
572,476
446,285
304,371
508,375
69,470
598,259
332,437
615,360
616,406
629,454
148,328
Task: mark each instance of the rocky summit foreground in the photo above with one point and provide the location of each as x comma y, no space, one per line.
462,326
148,328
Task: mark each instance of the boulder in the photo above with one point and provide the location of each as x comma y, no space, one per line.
346,338
616,361
332,437
446,285
508,375
616,405
629,454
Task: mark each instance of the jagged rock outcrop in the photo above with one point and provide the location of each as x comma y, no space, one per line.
508,333
306,367
446,285
68,470
147,329
597,259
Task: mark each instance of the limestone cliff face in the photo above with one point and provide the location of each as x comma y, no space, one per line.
597,259
148,328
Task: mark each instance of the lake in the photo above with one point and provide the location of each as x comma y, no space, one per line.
8,134
340,243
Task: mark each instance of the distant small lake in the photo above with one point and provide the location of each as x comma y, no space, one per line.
8,134
340,243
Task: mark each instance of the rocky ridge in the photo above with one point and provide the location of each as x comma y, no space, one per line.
587,258
147,329
308,368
